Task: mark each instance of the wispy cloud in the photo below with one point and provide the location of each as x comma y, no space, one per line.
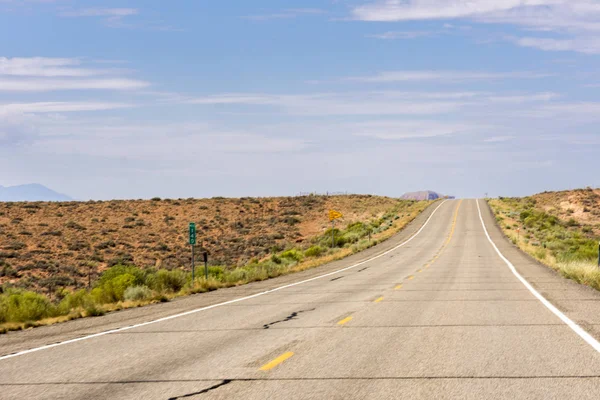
365,103
100,12
45,85
578,22
45,67
285,14
445,76
498,139
59,107
41,74
118,18
589,45
390,35
336,103
401,130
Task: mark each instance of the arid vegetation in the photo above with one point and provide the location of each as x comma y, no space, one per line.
560,229
84,259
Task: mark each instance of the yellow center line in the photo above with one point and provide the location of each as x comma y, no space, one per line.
437,256
276,361
453,225
345,321
379,300
398,287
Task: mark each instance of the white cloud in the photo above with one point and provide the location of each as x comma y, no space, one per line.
370,102
59,106
445,76
589,45
498,139
42,74
403,35
396,10
406,10
184,141
398,130
579,20
100,12
324,104
285,14
536,97
46,85
46,67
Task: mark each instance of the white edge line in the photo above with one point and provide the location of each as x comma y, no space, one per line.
125,328
576,328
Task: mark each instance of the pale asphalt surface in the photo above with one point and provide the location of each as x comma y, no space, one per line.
463,327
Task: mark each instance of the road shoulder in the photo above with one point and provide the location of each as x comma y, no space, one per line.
578,302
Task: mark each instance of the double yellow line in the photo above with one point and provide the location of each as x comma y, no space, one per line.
452,230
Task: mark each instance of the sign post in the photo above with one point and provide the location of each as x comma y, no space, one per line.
205,264
193,244
333,215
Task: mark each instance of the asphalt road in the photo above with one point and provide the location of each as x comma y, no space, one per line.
441,317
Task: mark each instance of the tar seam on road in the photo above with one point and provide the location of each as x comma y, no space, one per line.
576,328
125,328
341,378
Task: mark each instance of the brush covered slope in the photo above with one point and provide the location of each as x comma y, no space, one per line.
48,245
559,229
47,278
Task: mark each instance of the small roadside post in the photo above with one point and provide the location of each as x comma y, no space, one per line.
333,215
205,255
192,242
598,255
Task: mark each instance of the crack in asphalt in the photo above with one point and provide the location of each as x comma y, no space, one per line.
288,318
218,385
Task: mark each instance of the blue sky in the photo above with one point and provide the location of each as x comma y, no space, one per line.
135,99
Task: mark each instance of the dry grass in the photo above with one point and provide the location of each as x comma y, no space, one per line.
564,246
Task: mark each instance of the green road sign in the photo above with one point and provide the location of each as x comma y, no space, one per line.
192,233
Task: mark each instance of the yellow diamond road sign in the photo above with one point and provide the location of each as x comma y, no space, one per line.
333,215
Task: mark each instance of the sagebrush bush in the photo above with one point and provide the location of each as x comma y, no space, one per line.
18,306
137,293
314,251
113,290
168,281
292,254
113,272
79,299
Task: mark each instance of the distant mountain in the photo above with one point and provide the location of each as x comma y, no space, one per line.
31,192
423,195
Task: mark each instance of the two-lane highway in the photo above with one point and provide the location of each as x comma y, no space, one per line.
442,316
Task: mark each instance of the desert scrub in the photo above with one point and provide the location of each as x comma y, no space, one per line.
122,286
137,293
23,306
562,244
